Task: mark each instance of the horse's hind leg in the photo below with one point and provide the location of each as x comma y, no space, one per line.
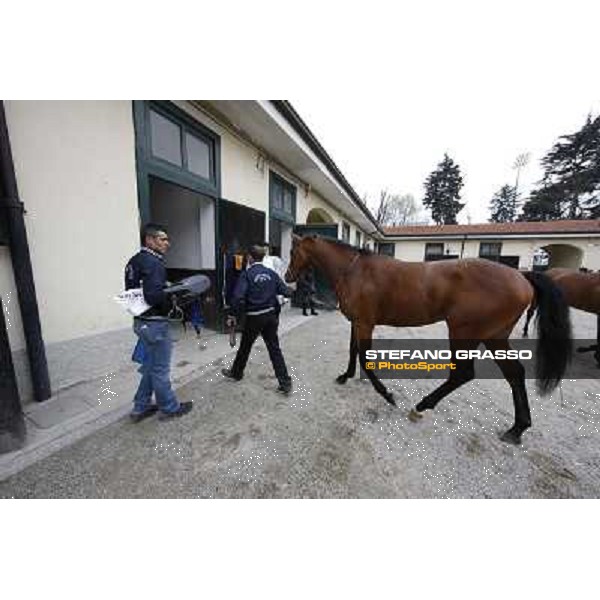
463,373
595,348
514,373
351,369
530,312
364,337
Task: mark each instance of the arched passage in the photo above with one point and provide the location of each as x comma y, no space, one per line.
564,256
318,215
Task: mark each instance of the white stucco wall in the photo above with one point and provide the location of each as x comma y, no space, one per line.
75,167
414,250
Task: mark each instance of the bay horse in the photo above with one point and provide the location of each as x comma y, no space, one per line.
480,301
581,290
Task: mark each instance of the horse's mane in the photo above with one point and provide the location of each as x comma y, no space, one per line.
361,251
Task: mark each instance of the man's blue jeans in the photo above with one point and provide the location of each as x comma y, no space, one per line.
156,376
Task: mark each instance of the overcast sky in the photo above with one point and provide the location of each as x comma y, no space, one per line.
387,87
394,143
482,94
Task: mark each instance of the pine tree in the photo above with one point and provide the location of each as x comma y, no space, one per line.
442,192
570,188
543,205
504,205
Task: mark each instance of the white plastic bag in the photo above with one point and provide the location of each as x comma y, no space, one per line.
133,301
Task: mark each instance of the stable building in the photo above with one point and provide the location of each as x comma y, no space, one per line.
523,245
80,178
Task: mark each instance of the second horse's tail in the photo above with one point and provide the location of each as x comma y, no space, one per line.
554,342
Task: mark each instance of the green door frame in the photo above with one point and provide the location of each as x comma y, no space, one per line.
148,166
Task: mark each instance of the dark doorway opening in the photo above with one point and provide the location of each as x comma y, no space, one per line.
190,219
239,227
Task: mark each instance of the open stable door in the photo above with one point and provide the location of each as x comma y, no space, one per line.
325,293
238,228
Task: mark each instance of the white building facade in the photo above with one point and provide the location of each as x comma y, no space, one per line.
570,244
219,174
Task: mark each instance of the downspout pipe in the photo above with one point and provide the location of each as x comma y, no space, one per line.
19,251
462,246
12,421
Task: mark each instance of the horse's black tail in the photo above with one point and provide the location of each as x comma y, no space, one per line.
554,342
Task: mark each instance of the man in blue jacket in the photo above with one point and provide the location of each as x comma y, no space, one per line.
147,270
256,294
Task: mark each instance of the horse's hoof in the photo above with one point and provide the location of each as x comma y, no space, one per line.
511,438
414,416
390,398
424,405
341,379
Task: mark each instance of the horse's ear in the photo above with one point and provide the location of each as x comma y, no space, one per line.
295,238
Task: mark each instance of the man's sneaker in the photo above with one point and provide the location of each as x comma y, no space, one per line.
229,374
136,417
183,409
285,389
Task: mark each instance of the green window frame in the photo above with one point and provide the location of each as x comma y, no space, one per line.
150,164
282,199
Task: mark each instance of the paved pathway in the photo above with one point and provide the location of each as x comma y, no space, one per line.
245,441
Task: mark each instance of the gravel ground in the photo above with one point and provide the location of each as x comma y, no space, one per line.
329,441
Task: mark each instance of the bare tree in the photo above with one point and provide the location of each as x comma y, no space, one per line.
521,161
396,209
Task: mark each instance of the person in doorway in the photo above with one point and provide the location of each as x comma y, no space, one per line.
147,270
306,290
256,295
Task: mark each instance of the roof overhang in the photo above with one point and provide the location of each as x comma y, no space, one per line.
490,236
276,131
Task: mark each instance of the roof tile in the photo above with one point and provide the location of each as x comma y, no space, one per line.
521,227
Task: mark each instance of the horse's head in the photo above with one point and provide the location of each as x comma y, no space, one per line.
299,259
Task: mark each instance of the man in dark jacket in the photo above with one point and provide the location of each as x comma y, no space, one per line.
306,290
147,270
256,295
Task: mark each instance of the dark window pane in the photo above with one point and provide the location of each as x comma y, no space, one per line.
166,139
198,156
434,249
490,249
277,195
287,200
387,249
346,232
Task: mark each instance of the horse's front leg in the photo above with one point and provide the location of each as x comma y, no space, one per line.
351,369
595,348
364,337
